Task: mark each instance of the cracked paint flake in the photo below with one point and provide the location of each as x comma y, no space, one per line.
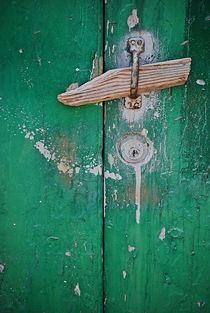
77,290
133,19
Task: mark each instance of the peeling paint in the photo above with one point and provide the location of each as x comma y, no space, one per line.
200,82
39,145
1,268
114,176
124,274
162,234
131,248
77,290
133,19
64,167
97,170
95,69
111,160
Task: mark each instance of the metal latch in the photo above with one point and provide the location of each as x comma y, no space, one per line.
129,82
135,47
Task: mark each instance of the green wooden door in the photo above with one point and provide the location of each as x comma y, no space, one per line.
51,193
160,264
80,230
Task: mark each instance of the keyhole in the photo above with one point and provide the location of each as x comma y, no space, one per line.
135,153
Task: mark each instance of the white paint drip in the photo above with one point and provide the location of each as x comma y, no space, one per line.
138,193
133,19
77,290
114,176
162,234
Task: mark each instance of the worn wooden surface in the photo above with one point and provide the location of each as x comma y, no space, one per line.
116,83
161,264
50,156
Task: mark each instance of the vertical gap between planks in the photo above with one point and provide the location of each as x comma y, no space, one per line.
103,161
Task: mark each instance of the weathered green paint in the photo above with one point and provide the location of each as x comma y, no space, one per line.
50,161
45,212
168,275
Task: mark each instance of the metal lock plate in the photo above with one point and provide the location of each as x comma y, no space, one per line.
135,149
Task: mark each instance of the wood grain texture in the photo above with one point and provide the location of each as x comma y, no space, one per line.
116,83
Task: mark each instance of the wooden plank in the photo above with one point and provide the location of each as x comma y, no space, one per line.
50,158
116,83
161,264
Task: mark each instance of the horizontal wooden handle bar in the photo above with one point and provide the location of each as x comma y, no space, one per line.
116,83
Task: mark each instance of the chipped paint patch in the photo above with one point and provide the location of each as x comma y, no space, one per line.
30,135
131,248
200,82
64,167
111,160
162,234
97,170
133,20
39,145
68,253
77,290
1,268
114,176
124,274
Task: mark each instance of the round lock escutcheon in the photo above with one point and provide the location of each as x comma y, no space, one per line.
135,149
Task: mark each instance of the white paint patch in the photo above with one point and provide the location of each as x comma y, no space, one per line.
77,170
115,194
39,145
111,160
68,253
97,170
114,176
133,19
1,268
162,234
124,274
131,248
30,135
64,167
138,193
77,290
200,82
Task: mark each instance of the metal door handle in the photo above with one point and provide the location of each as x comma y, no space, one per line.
129,82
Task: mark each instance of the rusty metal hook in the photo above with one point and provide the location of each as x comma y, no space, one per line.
135,47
